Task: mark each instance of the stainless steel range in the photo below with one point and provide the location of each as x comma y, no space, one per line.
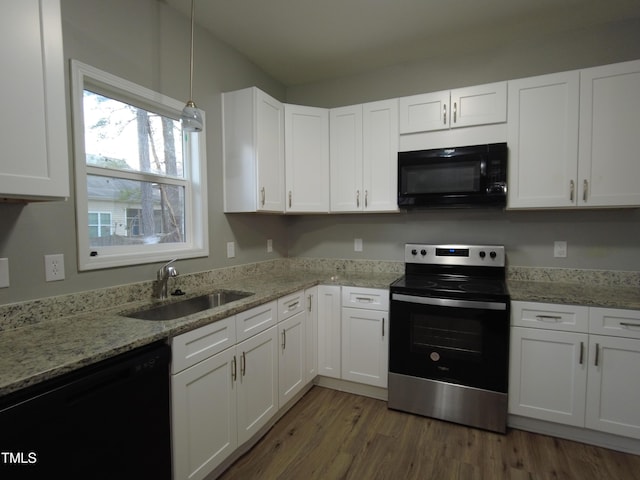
449,335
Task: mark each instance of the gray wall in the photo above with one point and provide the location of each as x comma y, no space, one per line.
605,239
146,42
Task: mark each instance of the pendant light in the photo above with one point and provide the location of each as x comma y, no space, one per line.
191,118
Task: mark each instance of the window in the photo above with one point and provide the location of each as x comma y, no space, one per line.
140,180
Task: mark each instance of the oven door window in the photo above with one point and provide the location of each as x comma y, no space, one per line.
464,346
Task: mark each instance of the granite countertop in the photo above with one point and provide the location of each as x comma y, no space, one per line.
38,352
575,294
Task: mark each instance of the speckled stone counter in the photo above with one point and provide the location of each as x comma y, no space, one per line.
37,351
592,288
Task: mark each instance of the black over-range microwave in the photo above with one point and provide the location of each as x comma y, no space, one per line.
469,176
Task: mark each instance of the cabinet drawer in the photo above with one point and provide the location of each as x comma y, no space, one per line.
369,298
255,320
196,345
290,305
614,321
569,318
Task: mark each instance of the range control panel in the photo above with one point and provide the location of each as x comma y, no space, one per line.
472,255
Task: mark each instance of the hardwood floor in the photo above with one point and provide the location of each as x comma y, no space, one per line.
335,435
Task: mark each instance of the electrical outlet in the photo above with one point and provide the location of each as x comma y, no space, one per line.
269,246
231,249
357,244
54,267
560,249
4,272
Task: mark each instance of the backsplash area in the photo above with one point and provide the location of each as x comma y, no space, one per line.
20,314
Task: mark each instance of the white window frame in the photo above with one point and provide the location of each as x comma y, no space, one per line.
194,148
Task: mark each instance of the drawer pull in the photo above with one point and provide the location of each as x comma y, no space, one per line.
364,299
293,305
548,318
628,324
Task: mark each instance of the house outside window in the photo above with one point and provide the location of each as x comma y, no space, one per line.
140,180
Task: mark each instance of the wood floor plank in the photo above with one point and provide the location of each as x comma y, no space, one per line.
332,435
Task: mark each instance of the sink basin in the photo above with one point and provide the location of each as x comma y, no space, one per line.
182,308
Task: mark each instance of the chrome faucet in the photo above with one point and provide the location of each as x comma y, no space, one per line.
166,271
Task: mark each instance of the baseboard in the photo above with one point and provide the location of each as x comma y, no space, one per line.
577,434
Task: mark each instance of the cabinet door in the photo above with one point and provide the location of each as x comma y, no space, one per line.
204,430
35,160
269,152
346,158
613,392
609,141
365,346
548,375
257,382
311,333
292,358
478,105
425,112
380,155
306,159
329,331
542,134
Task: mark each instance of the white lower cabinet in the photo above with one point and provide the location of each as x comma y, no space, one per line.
292,319
577,377
329,331
222,392
365,338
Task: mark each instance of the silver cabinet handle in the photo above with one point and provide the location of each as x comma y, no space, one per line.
581,352
309,299
585,190
382,327
289,198
262,196
628,324
545,318
364,299
284,339
597,354
243,365
366,198
293,305
444,114
455,112
572,190
234,371
357,198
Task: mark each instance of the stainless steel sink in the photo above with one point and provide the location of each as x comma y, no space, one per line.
182,308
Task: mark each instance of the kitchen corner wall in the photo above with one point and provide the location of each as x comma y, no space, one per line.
597,239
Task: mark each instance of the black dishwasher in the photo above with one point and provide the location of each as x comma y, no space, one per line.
110,420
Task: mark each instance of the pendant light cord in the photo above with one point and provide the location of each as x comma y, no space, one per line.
191,59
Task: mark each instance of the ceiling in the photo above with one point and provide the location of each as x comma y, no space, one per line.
305,41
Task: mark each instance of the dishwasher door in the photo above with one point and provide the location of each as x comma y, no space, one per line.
110,420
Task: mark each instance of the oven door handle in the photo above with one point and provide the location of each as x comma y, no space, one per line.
449,302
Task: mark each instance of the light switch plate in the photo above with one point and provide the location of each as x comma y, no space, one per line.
357,244
269,246
4,272
231,249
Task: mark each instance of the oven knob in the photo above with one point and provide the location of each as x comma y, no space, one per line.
482,254
414,252
492,254
423,252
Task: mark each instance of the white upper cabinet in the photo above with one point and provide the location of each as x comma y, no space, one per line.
542,135
609,163
34,162
306,159
572,138
462,107
253,151
363,153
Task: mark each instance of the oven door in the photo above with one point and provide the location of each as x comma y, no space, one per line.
463,342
